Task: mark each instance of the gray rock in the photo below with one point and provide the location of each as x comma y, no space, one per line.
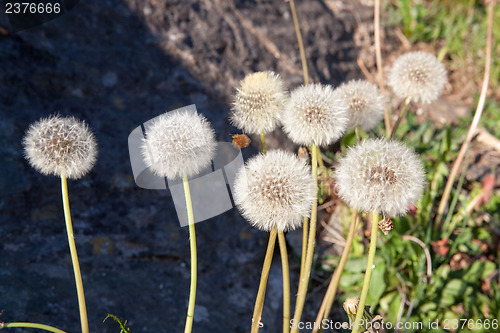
116,64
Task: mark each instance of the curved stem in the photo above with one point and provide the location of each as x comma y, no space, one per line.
368,275
475,121
192,243
74,256
327,303
286,282
259,302
304,280
33,325
299,41
402,115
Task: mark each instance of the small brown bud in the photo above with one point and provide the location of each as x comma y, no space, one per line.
303,153
386,225
351,305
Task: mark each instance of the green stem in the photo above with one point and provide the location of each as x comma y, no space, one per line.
299,41
259,302
304,280
305,230
192,243
33,325
286,282
263,143
368,274
402,115
74,256
327,303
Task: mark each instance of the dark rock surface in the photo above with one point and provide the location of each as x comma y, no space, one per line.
116,64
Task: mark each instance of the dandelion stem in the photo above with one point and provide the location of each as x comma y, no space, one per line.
259,302
194,260
299,41
263,143
74,256
402,115
304,280
356,132
368,273
327,303
475,121
286,282
284,264
33,325
305,231
378,59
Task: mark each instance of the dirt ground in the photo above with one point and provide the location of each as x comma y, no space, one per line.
116,64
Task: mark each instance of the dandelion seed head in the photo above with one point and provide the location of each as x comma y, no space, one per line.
418,75
315,114
365,103
380,175
178,143
275,190
60,146
258,102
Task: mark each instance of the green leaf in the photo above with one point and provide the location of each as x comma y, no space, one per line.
454,290
377,284
479,270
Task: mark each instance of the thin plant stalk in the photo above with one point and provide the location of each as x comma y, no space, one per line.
402,115
296,24
305,72
304,279
305,230
263,143
286,281
378,59
284,264
74,256
194,260
475,121
259,301
327,303
368,273
32,325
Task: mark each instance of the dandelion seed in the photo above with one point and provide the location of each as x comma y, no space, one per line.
418,75
60,146
178,143
365,103
315,114
258,102
275,190
380,175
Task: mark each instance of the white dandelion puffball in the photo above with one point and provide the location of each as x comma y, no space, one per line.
380,175
258,102
178,143
275,190
365,103
315,114
418,75
60,146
